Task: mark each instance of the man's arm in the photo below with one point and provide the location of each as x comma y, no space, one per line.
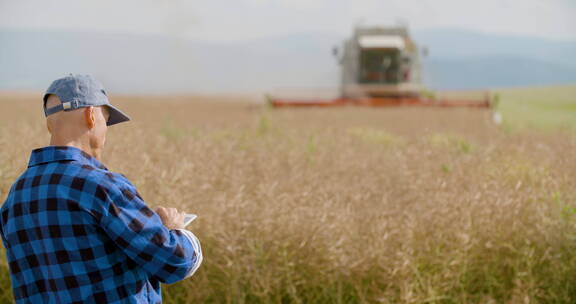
167,255
174,220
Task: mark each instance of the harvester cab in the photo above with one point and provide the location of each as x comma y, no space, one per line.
380,62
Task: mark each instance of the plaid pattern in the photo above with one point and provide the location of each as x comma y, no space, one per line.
75,232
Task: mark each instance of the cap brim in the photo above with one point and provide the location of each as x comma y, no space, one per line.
116,116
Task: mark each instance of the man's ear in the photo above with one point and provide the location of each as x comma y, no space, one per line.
89,117
48,126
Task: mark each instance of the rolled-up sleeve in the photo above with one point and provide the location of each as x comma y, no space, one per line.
197,248
166,255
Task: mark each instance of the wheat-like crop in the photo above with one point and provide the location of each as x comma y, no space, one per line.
343,205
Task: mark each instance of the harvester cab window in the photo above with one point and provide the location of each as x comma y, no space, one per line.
380,66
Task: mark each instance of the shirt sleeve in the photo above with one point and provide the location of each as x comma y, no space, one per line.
166,255
196,244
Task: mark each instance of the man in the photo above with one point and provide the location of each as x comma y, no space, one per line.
75,232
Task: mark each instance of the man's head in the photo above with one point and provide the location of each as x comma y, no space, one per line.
78,113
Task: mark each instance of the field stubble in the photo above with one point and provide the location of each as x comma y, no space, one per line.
343,205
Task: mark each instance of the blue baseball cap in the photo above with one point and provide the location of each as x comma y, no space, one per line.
80,91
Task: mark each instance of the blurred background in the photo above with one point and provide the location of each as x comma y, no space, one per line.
255,46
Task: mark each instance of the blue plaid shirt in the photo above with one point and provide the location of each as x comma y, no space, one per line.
75,232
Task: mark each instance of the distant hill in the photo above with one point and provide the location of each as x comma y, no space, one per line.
460,44
463,59
495,72
157,64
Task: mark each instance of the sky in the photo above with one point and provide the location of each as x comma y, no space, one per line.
233,20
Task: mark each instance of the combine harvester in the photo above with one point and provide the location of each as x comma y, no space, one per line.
381,67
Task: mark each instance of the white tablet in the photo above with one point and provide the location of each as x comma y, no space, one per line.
189,218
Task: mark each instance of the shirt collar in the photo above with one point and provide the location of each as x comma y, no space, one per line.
59,153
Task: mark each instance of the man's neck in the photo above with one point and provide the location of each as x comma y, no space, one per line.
75,143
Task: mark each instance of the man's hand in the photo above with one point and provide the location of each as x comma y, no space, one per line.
171,218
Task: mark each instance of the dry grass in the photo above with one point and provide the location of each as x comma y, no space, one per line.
344,205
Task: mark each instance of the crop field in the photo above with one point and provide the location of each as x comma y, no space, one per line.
348,205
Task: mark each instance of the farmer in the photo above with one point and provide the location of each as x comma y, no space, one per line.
75,232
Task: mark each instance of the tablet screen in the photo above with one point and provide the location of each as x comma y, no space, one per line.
188,218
